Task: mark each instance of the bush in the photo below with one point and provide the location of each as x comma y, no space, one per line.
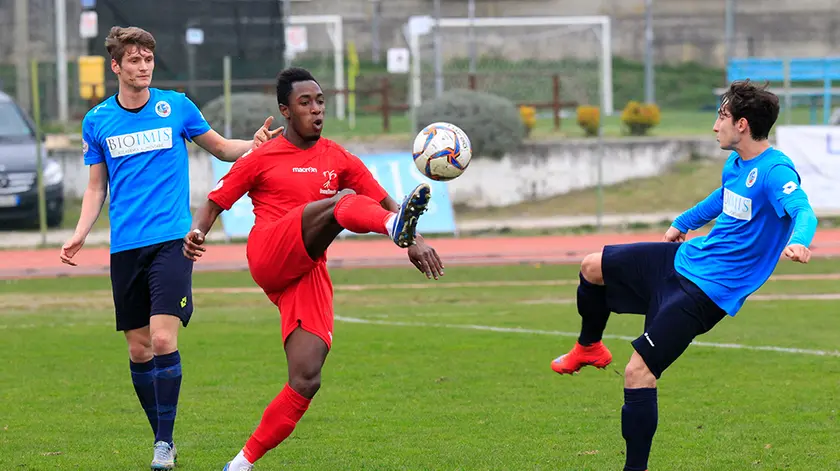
248,113
588,118
492,122
529,118
639,118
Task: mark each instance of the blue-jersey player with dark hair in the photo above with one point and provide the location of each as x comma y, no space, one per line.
685,287
135,145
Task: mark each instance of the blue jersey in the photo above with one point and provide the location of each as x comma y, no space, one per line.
760,209
148,165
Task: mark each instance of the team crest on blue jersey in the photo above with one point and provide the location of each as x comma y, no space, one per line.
163,109
752,177
85,147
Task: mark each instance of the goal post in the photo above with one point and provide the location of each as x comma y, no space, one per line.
539,43
335,32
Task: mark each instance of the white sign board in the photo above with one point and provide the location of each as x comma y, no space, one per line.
815,150
296,40
398,60
195,36
420,25
88,24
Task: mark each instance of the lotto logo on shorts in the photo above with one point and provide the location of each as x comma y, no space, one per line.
142,141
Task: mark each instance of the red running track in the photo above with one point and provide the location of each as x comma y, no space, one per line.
376,252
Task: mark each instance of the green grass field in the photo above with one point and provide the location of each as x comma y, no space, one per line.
422,376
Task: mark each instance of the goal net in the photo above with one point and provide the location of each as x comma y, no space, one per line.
529,60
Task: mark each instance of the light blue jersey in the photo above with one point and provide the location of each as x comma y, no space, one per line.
148,165
760,210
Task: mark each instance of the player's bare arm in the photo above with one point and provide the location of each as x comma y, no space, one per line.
204,219
228,150
92,202
422,255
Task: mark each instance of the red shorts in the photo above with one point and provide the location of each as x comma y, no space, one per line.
299,286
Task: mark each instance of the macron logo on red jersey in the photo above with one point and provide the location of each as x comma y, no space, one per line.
304,170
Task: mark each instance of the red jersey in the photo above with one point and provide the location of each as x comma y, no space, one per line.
279,177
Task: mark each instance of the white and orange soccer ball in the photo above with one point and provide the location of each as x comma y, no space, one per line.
442,151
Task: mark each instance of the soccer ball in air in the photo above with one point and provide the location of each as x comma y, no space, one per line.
442,151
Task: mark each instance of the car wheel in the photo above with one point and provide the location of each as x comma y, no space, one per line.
54,219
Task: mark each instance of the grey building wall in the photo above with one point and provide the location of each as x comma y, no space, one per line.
684,29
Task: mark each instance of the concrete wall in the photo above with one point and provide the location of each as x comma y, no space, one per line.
547,169
542,170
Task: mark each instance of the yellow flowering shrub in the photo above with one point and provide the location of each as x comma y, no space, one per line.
588,118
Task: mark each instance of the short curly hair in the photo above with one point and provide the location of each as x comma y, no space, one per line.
287,78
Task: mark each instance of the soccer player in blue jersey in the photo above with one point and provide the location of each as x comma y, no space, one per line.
685,287
135,144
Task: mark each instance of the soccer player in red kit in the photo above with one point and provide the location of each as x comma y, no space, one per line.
305,190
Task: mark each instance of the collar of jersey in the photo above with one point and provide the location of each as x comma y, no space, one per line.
124,110
755,159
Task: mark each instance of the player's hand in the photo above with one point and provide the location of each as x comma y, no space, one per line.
263,134
425,259
193,242
798,253
70,248
673,235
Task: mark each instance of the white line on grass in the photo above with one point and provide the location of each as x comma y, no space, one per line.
451,285
753,298
517,330
488,284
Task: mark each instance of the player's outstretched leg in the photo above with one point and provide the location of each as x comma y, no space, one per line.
360,214
594,313
324,220
306,353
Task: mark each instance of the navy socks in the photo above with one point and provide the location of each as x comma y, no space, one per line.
167,388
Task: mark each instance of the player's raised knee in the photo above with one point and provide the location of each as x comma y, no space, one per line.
343,193
338,197
591,269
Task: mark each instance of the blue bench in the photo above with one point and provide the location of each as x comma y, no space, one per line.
790,71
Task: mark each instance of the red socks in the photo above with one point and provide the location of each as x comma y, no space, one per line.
278,421
361,215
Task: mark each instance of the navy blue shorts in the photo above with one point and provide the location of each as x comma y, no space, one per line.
641,279
151,280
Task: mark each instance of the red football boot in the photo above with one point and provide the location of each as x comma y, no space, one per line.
596,355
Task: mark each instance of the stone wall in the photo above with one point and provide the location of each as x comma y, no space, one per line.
542,169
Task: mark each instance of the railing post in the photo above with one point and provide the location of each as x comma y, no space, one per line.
386,104
556,101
